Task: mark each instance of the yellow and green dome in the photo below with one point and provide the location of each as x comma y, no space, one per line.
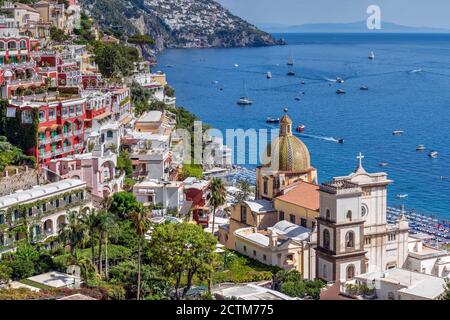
288,151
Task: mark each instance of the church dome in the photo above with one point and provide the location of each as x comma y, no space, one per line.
288,151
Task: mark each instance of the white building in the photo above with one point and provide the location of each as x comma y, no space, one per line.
169,194
424,259
45,208
401,284
353,234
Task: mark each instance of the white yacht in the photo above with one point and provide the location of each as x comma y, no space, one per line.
245,100
372,56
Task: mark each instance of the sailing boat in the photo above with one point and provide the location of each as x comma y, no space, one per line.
372,56
245,100
290,61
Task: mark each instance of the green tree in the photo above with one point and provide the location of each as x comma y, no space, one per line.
216,197
90,221
57,35
124,163
24,261
141,40
245,191
5,273
183,249
122,203
106,226
73,232
141,224
446,294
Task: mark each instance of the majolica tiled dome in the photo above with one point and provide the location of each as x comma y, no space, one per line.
289,152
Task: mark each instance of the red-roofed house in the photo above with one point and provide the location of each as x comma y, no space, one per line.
299,204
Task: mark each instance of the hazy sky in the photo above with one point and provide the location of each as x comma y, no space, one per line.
429,13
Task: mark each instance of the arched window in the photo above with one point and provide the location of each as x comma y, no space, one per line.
350,272
326,239
328,214
23,44
350,240
266,185
349,215
2,46
12,45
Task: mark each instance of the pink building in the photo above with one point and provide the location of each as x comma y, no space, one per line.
97,169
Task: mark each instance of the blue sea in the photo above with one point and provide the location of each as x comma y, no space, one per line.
409,89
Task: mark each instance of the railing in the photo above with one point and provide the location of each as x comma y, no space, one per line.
77,132
26,81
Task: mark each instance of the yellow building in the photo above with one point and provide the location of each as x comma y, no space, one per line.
299,204
160,78
259,214
286,161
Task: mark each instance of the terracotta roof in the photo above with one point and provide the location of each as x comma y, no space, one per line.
302,194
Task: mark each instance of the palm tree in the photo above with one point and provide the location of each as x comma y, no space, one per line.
105,224
217,197
141,223
245,191
90,222
72,232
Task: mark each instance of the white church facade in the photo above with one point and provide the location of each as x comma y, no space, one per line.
353,234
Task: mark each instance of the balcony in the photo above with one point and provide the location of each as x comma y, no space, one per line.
78,132
68,149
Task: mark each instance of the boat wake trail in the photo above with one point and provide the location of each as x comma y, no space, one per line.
416,70
331,139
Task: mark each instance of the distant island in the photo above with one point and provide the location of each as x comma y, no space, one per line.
352,27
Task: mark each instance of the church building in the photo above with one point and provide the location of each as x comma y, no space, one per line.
353,234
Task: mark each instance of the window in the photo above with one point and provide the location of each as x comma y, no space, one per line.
292,218
326,239
290,258
2,218
349,215
392,237
109,134
367,240
303,222
350,240
266,185
30,212
364,211
12,45
26,116
57,203
42,116
324,271
281,216
391,296
264,257
79,109
313,224
328,215
245,248
350,272
254,253
51,114
44,207
244,214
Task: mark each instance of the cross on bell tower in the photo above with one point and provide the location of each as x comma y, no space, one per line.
360,158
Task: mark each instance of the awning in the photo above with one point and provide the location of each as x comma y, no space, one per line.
42,129
102,116
55,126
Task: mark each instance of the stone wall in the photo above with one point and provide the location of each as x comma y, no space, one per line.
21,179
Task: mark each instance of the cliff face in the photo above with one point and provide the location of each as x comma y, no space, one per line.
178,23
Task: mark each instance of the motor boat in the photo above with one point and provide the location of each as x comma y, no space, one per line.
340,140
300,128
398,132
433,154
339,80
340,91
269,75
383,164
372,56
303,82
402,196
291,73
421,147
364,88
297,98
272,120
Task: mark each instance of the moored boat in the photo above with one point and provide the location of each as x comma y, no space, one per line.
340,91
398,132
269,75
421,147
272,120
433,154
